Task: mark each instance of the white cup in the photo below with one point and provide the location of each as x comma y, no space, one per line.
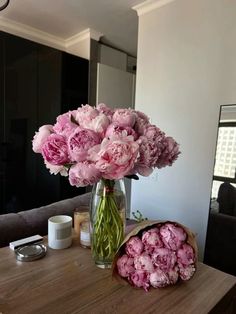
59,232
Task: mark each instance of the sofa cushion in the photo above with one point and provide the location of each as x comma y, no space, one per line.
35,221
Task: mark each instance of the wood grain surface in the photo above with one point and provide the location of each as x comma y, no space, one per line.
67,282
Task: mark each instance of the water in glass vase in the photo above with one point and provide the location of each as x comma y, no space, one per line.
107,220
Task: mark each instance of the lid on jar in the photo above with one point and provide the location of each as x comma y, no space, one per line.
82,209
30,252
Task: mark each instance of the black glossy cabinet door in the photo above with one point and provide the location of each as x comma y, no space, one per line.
37,83
2,128
20,118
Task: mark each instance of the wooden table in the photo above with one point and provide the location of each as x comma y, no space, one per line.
67,282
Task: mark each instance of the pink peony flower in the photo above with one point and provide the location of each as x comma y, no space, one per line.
173,275
143,262
116,130
153,133
125,265
151,240
134,246
172,236
54,169
141,122
106,110
149,153
140,278
64,125
55,151
83,173
124,117
187,272
185,255
40,137
164,259
116,157
80,141
85,114
169,153
99,124
120,142
159,279
156,263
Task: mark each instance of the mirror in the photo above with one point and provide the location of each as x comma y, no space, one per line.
223,195
220,249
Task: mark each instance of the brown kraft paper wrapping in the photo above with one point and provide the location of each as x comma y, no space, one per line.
144,226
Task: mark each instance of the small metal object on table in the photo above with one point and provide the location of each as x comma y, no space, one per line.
31,252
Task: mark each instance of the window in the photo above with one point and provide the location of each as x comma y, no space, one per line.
225,162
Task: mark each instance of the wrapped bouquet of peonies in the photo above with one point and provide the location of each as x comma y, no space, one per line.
156,254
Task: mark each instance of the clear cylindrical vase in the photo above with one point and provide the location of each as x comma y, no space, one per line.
107,220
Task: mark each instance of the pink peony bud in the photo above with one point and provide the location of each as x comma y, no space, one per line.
173,275
151,240
143,262
140,278
186,272
164,259
134,247
172,236
185,255
125,265
159,279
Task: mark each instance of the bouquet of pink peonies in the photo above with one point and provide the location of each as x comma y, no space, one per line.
156,254
91,143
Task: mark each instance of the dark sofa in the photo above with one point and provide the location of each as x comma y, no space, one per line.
23,224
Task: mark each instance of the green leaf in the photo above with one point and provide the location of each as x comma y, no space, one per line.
68,165
138,216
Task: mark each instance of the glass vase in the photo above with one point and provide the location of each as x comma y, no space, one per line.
107,220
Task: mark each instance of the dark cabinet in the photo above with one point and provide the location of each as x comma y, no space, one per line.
37,83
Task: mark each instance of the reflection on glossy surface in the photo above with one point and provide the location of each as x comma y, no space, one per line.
37,83
220,250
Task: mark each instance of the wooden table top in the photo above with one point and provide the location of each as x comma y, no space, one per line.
68,282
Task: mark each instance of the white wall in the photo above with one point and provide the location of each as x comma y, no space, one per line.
186,69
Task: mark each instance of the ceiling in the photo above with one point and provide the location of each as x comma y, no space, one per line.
115,19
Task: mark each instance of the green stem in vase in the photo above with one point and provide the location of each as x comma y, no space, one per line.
108,229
